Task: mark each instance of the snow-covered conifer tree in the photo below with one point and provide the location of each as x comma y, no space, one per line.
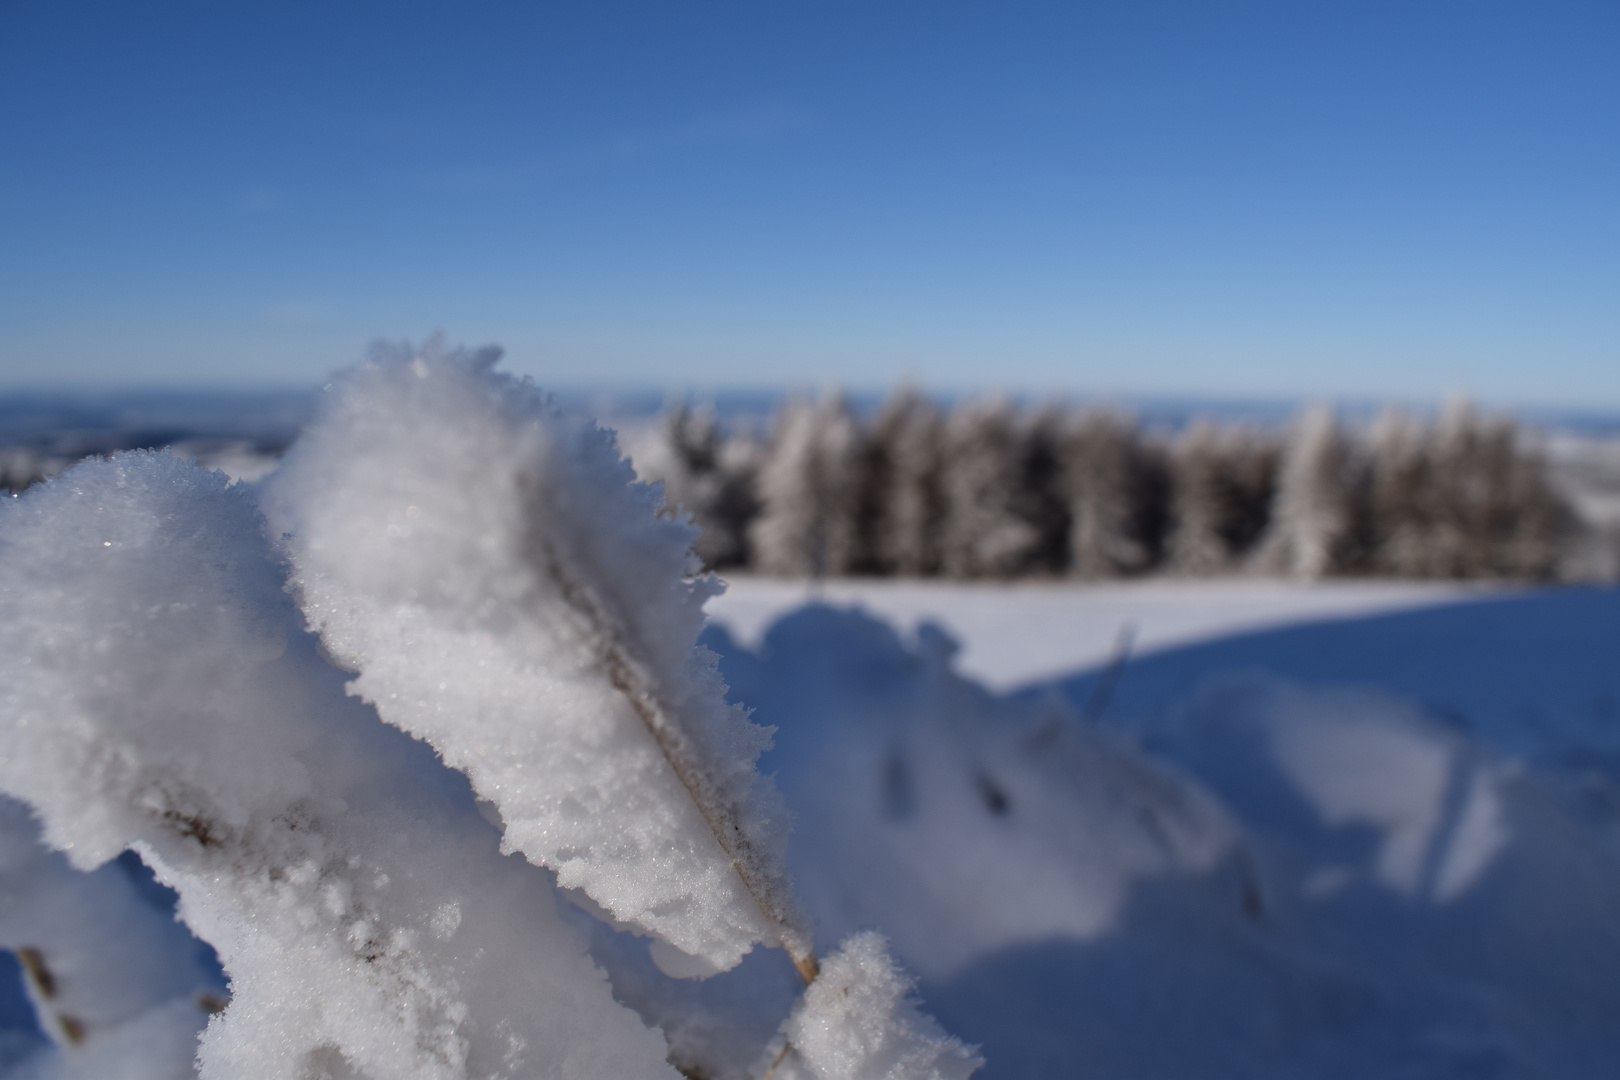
1465,497
807,491
1253,458
1198,505
1400,490
983,534
1114,494
688,452
1311,520
1040,497
1537,523
1460,484
1498,514
738,460
901,501
1221,491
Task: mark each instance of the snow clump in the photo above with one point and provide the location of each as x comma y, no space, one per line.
160,695
506,590
856,1022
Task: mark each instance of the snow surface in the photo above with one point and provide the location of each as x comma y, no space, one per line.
1386,845
960,823
1013,634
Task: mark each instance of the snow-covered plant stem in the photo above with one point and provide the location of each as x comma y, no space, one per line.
506,590
857,1021
634,679
159,695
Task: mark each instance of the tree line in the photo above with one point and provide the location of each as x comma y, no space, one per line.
988,489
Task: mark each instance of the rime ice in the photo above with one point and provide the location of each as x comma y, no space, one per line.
159,694
505,590
855,1022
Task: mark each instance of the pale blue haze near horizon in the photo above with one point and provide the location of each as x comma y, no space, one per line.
1370,200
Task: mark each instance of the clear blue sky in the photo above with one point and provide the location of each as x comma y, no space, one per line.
1375,199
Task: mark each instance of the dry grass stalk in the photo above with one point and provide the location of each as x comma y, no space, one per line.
608,637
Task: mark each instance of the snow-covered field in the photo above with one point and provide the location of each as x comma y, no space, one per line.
1364,843
412,735
1016,633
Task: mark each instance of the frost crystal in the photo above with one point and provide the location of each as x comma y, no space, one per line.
855,1022
505,590
158,694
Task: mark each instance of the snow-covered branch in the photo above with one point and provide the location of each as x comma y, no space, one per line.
504,589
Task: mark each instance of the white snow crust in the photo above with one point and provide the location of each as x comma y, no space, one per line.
504,589
159,694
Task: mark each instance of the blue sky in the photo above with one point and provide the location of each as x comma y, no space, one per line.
1293,199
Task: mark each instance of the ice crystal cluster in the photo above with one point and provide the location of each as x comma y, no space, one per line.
390,867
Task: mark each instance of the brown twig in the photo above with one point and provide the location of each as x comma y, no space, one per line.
632,678
777,1060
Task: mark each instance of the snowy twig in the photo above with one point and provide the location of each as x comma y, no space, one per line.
633,679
